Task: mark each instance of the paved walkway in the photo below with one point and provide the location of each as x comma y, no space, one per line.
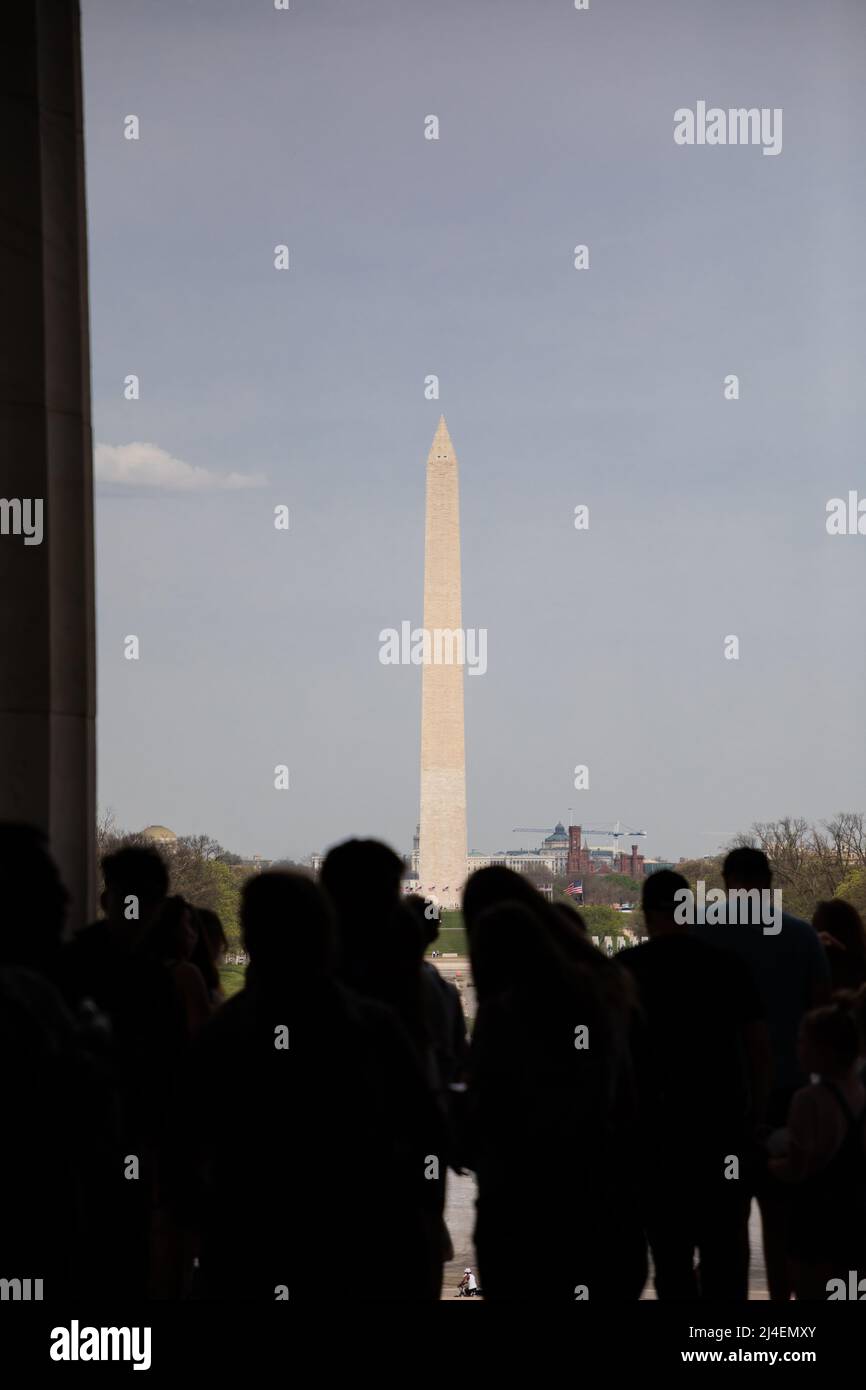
460,1216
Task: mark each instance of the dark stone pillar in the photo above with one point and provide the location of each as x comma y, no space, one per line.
47,638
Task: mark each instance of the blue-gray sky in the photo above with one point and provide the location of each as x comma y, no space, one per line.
604,387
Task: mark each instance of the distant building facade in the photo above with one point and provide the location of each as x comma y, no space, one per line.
562,852
583,861
550,859
652,866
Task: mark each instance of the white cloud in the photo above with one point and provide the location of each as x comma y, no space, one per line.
148,466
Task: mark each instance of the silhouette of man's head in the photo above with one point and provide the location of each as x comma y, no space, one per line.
747,868
33,900
493,885
133,873
504,945
659,901
362,877
288,929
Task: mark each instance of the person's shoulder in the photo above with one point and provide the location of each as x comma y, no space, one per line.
372,1015
91,939
710,933
631,956
227,1023
713,947
734,940
797,924
807,943
724,964
799,930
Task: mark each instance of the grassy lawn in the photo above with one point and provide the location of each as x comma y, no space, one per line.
452,934
232,979
451,939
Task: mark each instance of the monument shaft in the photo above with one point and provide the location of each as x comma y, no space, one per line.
442,847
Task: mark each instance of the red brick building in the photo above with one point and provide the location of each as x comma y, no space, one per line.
581,860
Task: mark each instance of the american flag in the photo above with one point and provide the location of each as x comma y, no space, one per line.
575,888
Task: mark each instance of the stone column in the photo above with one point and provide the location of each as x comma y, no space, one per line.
47,638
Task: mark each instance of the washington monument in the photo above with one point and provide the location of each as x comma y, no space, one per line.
442,847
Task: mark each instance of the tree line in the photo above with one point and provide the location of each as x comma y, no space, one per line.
810,863
200,870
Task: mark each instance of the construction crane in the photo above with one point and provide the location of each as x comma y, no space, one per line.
615,832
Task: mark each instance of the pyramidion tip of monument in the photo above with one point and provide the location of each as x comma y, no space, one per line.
442,448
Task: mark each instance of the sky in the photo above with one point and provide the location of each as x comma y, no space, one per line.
603,386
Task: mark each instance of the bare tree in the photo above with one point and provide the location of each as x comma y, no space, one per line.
107,833
810,863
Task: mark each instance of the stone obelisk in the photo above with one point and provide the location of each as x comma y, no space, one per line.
442,847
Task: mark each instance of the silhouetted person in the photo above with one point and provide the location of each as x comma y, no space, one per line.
308,1102
547,1139
46,1110
843,936
214,943
494,885
381,941
107,965
789,968
791,973
491,886
446,1024
700,1055
173,938
825,1156
362,879
59,1119
33,902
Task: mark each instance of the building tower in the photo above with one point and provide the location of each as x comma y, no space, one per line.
442,849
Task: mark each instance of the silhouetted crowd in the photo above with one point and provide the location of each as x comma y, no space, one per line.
294,1141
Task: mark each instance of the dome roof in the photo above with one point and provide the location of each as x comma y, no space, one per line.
559,833
158,832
